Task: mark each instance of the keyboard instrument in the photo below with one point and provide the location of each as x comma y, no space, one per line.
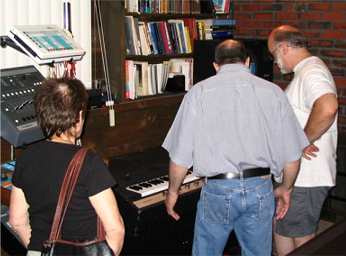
158,184
142,177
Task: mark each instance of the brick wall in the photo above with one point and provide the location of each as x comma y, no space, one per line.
323,22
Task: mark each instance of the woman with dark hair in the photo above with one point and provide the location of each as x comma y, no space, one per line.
60,106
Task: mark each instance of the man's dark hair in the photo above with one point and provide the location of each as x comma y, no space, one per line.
58,103
293,38
230,51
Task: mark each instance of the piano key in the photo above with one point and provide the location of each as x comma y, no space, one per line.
135,187
145,184
153,186
155,182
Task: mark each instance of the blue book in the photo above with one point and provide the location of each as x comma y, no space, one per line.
222,34
223,22
152,34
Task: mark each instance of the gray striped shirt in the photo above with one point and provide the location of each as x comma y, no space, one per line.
234,121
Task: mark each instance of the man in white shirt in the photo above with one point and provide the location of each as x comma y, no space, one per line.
312,94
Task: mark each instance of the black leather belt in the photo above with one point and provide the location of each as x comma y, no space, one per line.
247,173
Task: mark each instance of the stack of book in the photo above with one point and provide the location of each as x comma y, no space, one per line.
144,79
174,36
222,6
223,28
163,6
209,29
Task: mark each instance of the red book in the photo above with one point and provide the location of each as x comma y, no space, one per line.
191,24
164,37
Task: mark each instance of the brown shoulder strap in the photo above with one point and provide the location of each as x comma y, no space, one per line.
67,188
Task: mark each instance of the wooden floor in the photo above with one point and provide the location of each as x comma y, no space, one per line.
323,225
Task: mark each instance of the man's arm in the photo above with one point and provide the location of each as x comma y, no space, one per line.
177,174
283,192
321,118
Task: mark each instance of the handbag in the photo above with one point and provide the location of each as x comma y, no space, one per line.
57,246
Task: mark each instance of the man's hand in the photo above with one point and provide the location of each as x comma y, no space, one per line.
171,200
283,198
309,151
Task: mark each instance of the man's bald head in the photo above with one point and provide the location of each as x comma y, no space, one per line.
288,34
230,51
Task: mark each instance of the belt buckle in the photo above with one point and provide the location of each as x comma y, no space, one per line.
232,175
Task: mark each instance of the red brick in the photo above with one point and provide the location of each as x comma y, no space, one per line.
311,35
334,35
341,119
336,71
261,7
338,6
319,25
323,43
286,15
334,53
319,6
246,23
251,7
257,24
340,44
334,16
245,32
241,16
340,63
263,32
263,16
342,101
340,81
311,16
269,24
237,7
338,25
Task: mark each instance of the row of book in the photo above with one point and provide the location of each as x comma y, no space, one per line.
163,6
157,37
174,36
144,79
211,29
178,6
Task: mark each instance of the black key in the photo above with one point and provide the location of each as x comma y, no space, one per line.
145,184
154,182
137,188
165,178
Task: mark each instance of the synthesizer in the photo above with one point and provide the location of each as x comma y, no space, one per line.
46,43
18,118
142,177
158,184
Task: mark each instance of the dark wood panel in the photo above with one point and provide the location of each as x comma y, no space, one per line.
114,32
5,196
140,125
5,151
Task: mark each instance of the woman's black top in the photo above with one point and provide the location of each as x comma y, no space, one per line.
39,172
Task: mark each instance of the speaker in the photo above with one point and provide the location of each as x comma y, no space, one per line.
204,52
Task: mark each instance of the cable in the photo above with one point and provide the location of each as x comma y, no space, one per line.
99,24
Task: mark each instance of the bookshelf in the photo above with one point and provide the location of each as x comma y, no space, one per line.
114,16
141,123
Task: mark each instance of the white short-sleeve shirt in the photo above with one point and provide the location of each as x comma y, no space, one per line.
312,79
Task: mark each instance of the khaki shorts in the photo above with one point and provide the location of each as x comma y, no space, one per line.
33,253
303,216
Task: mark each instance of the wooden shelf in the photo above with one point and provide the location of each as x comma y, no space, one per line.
144,102
166,16
158,57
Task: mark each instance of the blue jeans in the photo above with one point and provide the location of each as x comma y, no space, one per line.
245,205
